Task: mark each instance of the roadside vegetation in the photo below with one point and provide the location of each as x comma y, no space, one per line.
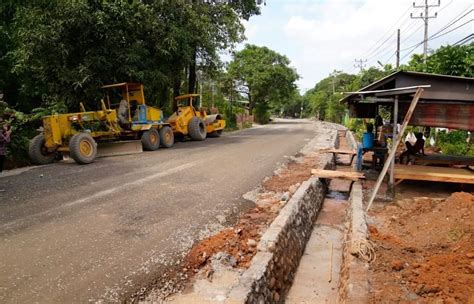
56,54
323,100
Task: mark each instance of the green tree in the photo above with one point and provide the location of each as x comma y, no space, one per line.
63,51
263,77
456,60
57,53
324,97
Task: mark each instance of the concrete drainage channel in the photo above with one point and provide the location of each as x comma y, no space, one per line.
272,270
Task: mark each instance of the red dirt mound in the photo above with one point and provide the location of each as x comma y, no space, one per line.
425,251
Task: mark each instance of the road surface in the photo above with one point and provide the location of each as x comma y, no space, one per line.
72,233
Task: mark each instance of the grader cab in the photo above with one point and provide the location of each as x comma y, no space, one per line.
193,121
123,116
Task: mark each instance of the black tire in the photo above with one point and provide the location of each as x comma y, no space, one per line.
38,153
151,140
217,133
166,137
197,129
82,148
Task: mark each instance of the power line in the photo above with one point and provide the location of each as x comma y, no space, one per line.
465,23
465,40
376,45
425,16
408,35
455,20
440,35
384,52
443,28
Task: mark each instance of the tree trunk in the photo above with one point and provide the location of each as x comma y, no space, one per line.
176,90
251,104
192,74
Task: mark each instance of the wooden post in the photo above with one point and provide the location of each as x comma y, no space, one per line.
391,155
394,139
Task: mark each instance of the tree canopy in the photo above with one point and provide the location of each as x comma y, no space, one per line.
263,76
61,52
456,60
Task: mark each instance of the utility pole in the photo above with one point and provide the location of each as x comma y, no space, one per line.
425,18
360,64
398,49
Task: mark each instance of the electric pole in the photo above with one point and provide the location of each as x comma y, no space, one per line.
398,49
360,64
425,16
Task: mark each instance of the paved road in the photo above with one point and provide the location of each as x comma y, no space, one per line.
71,233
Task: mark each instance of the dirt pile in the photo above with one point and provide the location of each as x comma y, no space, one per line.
425,251
241,240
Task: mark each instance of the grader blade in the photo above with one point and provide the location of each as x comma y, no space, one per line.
116,148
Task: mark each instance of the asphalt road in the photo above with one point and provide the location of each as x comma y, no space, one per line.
71,233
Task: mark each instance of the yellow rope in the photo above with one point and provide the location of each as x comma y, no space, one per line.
364,249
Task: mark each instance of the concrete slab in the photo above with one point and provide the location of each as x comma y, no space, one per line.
311,284
318,276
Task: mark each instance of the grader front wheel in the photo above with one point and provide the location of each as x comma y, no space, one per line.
82,148
38,153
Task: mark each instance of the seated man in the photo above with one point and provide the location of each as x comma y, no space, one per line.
418,147
122,114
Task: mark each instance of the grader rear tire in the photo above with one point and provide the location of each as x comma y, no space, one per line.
82,148
166,137
151,140
38,153
197,129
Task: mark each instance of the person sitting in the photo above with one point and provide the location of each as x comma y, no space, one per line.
418,147
122,114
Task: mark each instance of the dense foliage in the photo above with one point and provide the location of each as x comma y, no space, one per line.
263,77
324,97
63,51
57,53
448,60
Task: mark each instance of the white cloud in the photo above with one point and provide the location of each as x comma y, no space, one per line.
321,36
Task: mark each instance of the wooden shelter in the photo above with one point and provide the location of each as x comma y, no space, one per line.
419,99
447,103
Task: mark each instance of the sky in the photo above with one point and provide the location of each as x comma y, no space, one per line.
320,36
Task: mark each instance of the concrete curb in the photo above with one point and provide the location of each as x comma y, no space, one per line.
354,284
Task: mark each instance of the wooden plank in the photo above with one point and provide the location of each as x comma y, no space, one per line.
392,152
353,176
435,174
338,151
440,159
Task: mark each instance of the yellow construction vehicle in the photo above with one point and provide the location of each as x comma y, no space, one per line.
124,116
193,122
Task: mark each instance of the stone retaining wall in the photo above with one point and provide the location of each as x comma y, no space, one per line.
273,268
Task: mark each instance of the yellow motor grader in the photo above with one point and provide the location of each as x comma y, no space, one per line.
194,122
123,116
